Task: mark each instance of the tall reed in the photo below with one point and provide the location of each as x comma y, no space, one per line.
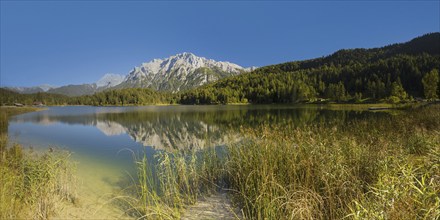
169,182
32,185
384,168
375,168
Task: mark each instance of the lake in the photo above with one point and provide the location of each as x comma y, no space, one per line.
103,139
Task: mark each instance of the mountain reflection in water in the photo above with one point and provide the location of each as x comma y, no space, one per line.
186,127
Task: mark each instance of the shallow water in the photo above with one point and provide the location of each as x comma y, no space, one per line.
102,139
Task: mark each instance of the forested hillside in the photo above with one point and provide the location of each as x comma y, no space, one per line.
393,73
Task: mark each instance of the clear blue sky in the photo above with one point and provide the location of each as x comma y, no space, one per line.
70,42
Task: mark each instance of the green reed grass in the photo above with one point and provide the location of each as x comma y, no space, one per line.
170,182
32,185
376,168
385,168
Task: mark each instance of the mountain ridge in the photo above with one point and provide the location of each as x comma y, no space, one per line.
172,74
179,72
392,73
32,89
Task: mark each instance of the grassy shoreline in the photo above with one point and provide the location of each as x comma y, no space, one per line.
367,169
350,105
32,185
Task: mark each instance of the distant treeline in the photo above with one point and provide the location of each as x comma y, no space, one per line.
8,97
395,73
130,96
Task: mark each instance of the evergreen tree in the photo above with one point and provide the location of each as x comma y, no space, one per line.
398,93
430,82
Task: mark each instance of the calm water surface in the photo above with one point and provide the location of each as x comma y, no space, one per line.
103,133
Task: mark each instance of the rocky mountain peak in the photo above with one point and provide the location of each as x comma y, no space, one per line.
179,72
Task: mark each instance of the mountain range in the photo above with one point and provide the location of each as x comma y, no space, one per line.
33,89
179,72
395,73
173,74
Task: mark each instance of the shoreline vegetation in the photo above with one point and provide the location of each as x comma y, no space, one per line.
147,97
328,105
32,185
367,169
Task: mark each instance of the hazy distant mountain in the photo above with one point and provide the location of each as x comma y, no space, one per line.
25,90
30,90
179,72
75,90
109,80
46,87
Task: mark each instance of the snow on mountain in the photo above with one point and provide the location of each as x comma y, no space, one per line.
249,69
179,72
159,135
46,87
110,80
